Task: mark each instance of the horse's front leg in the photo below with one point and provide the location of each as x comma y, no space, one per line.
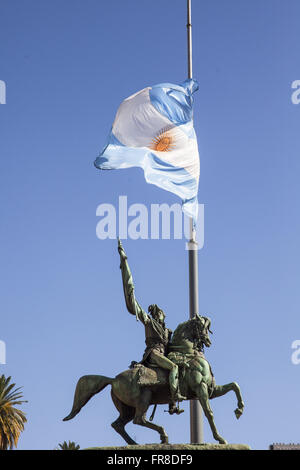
220,390
202,394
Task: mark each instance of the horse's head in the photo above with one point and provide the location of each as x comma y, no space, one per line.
193,333
201,330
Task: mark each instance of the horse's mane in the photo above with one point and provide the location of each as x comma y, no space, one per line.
189,330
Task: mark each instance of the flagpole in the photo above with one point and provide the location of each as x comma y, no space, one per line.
196,420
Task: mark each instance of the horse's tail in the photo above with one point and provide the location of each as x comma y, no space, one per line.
87,386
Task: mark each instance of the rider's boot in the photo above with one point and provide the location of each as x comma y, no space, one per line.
173,409
178,397
174,386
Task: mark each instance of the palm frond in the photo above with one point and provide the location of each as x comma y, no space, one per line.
69,446
12,419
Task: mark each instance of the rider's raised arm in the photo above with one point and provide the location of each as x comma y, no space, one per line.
132,304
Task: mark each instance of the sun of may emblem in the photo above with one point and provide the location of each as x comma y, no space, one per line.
164,141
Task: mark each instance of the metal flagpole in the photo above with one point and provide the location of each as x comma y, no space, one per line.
196,420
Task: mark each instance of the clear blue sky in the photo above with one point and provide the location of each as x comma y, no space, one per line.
67,66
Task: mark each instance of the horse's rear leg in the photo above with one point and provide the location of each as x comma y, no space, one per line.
126,415
221,390
140,416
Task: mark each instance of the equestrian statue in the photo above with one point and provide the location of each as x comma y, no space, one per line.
172,369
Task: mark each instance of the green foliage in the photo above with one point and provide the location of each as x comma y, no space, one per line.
11,419
69,446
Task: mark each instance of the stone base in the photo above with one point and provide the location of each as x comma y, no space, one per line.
171,447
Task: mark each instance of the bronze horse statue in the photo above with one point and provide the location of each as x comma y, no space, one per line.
135,389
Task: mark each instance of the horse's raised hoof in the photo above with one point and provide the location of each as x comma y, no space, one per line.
238,413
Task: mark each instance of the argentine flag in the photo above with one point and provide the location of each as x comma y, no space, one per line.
153,129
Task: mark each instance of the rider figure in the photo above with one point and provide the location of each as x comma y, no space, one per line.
157,335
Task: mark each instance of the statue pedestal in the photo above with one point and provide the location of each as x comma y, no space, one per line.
165,448
145,456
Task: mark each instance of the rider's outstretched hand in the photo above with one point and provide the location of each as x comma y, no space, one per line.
121,250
